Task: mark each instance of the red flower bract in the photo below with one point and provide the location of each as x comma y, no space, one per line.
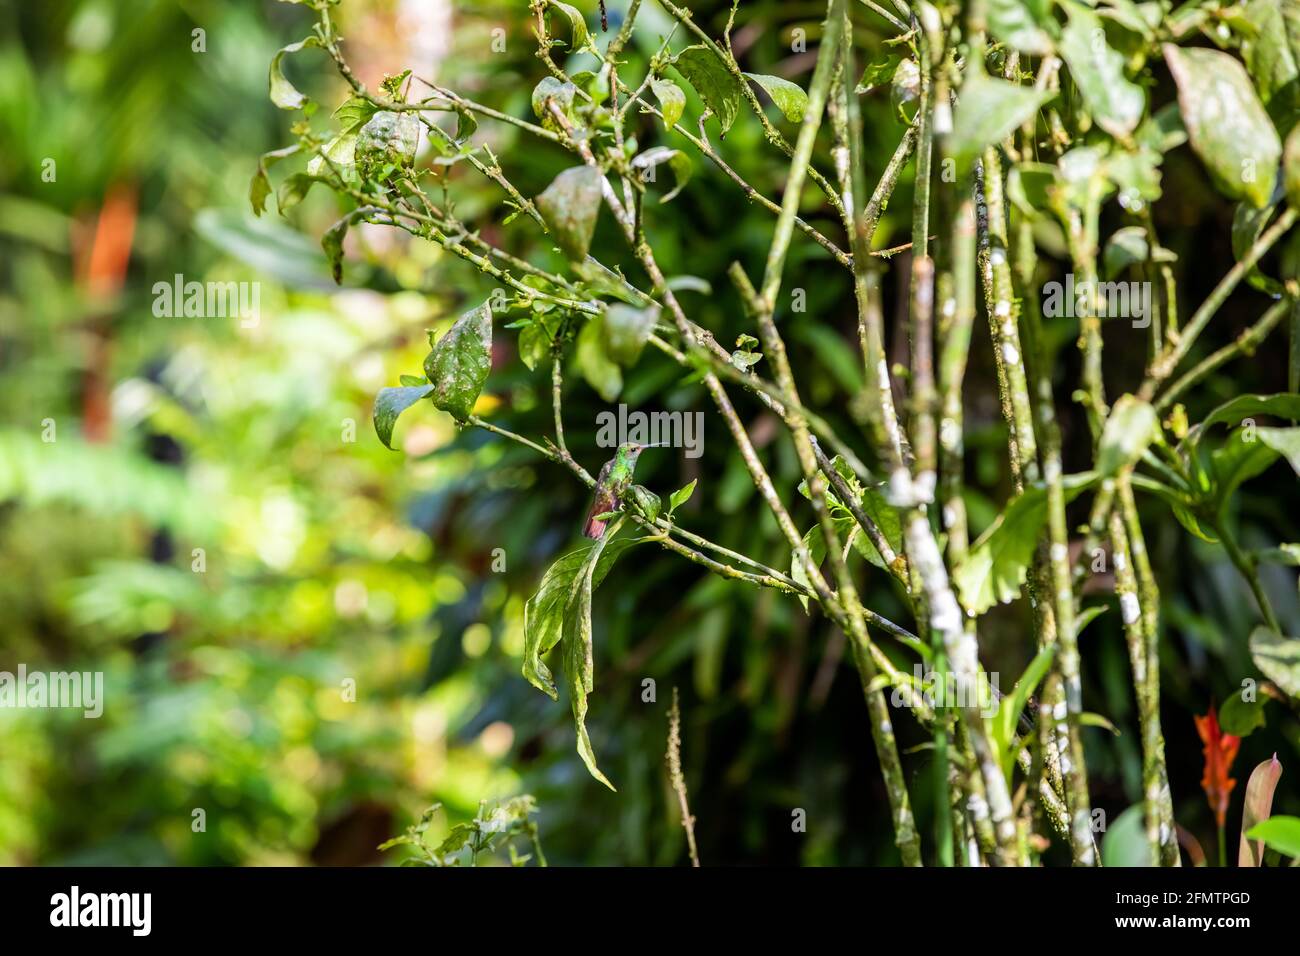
1220,752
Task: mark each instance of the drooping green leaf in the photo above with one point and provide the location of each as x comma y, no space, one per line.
677,161
283,93
259,187
1237,461
789,98
1279,833
710,78
570,205
1239,717
1226,123
997,564
293,190
1278,658
391,402
1256,808
1131,426
1115,103
577,23
577,646
1125,843
544,611
988,110
592,357
332,242
460,361
681,496
672,101
627,329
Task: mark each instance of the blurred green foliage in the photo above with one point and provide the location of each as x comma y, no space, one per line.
335,569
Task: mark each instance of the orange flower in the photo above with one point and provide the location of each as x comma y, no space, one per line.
1220,752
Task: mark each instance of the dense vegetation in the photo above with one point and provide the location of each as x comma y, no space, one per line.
867,241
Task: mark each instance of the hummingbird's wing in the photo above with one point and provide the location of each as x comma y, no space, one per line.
603,503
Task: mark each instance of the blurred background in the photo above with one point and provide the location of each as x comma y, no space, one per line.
201,511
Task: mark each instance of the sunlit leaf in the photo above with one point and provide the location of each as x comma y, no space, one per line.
710,78
789,98
1226,122
391,402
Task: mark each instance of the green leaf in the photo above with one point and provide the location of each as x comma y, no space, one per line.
1272,57
544,612
391,402
1023,24
1291,168
1247,225
1237,462
1098,71
998,562
577,23
1280,404
677,161
413,380
577,649
672,101
552,89
1279,833
1284,441
1278,658
1131,426
570,205
601,372
1240,717
1256,808
1125,842
283,93
460,361
710,78
789,98
627,329
1126,247
681,496
988,111
1013,705
879,72
332,243
259,187
293,190
1226,123
535,342
646,501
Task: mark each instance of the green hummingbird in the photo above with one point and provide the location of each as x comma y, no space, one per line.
615,477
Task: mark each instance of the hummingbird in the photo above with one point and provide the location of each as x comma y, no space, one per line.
614,479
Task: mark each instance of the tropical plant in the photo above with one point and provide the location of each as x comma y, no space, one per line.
1038,133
